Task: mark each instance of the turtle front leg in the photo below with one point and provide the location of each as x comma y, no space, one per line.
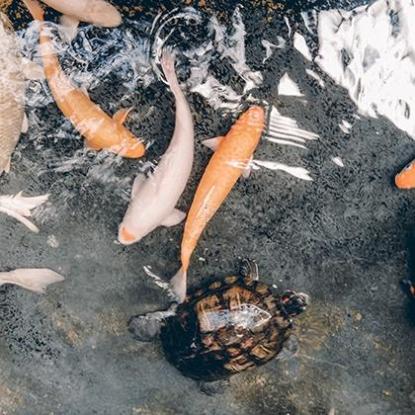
212,388
146,327
249,269
409,286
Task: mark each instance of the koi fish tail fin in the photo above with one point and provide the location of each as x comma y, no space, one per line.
178,284
406,178
33,279
168,63
20,208
35,9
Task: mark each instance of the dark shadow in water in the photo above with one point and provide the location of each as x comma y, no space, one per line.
410,280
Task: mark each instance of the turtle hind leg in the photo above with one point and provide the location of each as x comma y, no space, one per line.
289,348
293,303
146,327
249,269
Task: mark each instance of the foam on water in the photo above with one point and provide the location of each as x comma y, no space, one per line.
270,47
128,56
288,87
345,126
300,44
315,76
310,19
338,161
370,52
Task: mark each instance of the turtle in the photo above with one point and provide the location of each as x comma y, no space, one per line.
224,327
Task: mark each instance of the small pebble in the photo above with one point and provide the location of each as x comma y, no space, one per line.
53,241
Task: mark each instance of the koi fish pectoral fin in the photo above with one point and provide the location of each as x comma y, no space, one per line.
132,149
174,218
69,26
32,70
121,115
25,124
85,91
8,166
213,143
248,169
91,146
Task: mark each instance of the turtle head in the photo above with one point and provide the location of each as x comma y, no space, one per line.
293,303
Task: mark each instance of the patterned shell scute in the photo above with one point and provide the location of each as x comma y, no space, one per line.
228,327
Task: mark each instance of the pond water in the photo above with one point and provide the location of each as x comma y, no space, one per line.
319,212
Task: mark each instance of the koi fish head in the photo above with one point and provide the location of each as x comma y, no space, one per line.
255,116
406,178
127,236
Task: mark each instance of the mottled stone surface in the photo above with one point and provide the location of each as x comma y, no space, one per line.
345,239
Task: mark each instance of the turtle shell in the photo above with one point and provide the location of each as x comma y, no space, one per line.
225,328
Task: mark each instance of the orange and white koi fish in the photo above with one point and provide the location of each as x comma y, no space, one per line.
233,154
99,129
33,279
406,178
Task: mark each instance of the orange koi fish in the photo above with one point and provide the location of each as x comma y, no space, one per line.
406,178
99,129
231,158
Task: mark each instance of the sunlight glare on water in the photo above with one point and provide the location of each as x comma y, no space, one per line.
359,49
370,52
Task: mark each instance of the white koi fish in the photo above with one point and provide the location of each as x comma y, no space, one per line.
154,199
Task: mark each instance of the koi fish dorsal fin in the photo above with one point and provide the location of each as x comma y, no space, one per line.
121,115
25,124
213,143
69,26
